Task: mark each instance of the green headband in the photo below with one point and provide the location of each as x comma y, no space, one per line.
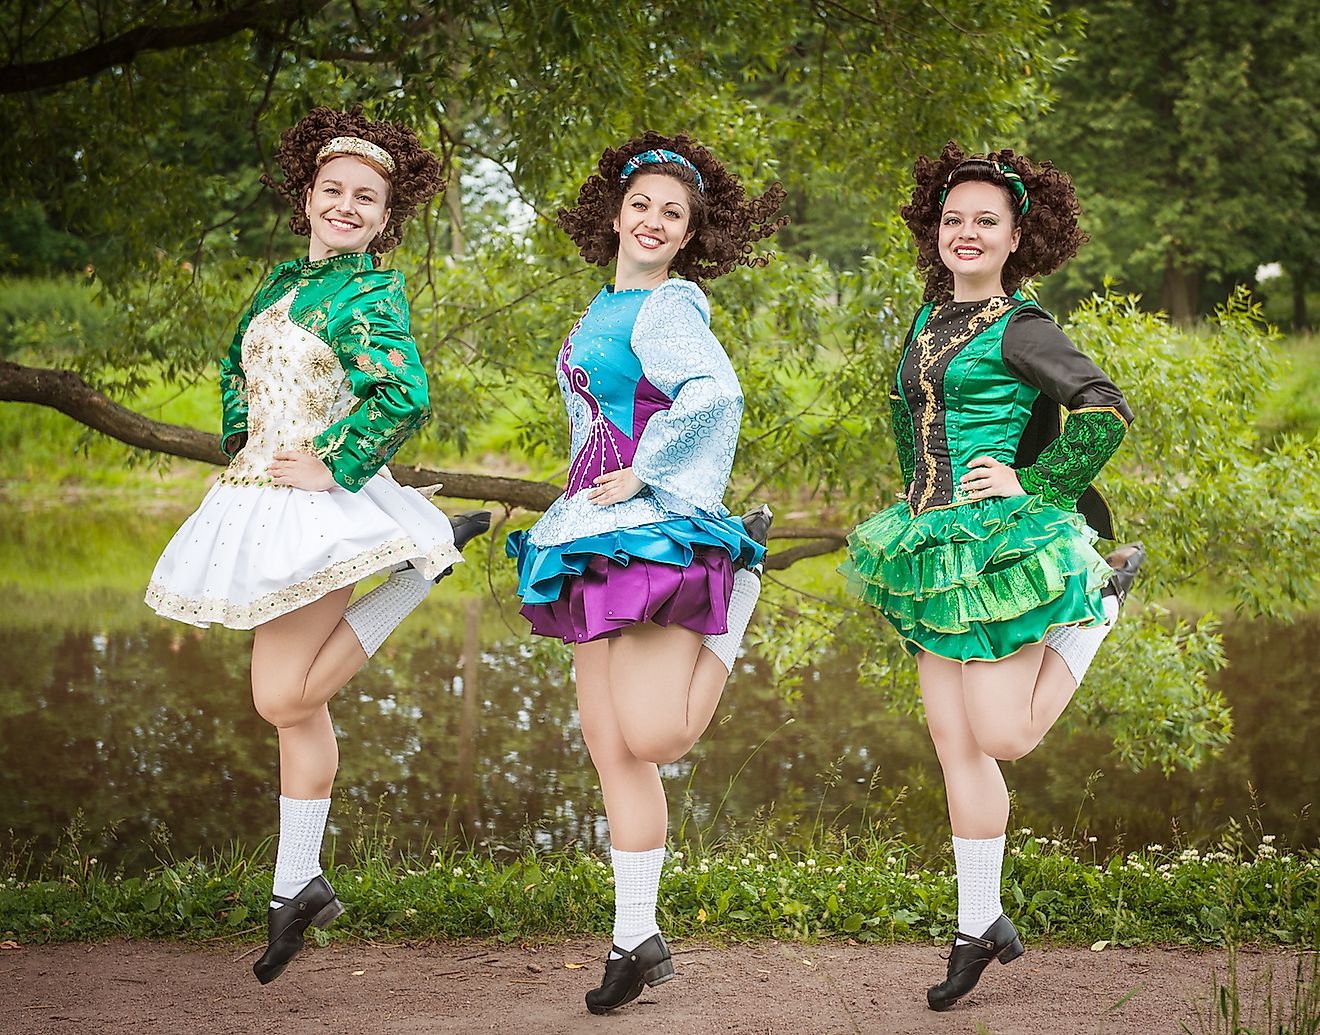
1015,185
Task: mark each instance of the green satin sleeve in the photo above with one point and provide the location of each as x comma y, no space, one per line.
1069,464
234,391
901,421
368,330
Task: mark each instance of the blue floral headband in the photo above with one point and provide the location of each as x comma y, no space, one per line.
659,156
1015,185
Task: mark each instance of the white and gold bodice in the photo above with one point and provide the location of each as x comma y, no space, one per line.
296,388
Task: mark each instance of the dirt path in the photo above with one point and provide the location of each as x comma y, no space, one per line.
768,987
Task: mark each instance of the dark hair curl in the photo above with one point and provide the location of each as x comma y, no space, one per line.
724,222
1050,234
415,181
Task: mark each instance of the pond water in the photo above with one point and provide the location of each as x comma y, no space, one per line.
453,735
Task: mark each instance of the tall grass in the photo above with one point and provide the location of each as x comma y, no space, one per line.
1261,1005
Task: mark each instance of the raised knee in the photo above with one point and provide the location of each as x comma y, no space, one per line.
276,708
658,746
1007,746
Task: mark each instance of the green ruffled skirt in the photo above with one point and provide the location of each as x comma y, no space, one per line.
980,581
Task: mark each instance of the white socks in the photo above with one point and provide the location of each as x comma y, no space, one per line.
298,860
375,615
1077,645
980,865
746,590
636,887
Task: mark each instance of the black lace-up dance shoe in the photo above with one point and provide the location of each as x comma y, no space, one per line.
314,906
649,964
757,525
967,961
1125,561
467,526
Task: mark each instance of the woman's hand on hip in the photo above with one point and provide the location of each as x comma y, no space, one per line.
986,477
295,470
615,487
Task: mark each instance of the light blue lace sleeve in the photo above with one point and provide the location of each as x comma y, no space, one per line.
685,455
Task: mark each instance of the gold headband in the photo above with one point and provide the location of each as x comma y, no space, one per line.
359,147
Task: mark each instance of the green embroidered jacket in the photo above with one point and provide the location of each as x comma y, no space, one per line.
362,314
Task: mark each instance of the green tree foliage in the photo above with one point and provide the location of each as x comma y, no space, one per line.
1191,130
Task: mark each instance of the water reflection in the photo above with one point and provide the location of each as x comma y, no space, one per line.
455,737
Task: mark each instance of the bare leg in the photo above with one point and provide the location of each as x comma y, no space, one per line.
309,757
1012,703
973,784
665,687
340,658
634,797
284,650
287,650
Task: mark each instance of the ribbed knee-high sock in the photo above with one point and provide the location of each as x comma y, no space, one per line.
375,615
298,859
636,887
980,866
1077,645
746,591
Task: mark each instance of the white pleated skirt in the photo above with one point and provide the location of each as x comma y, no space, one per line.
251,553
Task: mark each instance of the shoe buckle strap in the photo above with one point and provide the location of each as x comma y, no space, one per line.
290,902
984,943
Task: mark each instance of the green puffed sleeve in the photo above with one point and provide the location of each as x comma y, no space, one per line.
368,330
234,391
901,420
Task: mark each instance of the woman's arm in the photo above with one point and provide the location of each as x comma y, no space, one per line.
685,454
234,392
368,331
1038,353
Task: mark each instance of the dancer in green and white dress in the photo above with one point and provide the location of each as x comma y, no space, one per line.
321,386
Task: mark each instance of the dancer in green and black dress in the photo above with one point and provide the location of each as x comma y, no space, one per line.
986,567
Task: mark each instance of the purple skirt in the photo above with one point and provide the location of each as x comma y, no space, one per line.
609,596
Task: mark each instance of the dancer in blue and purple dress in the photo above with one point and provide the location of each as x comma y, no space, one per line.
639,564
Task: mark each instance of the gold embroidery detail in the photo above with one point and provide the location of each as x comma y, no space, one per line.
928,357
203,611
297,389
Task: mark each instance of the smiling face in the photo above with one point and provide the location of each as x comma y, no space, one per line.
652,225
976,238
346,207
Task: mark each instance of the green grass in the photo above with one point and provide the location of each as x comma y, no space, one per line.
1294,406
869,889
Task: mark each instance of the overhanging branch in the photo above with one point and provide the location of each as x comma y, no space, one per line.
67,392
123,48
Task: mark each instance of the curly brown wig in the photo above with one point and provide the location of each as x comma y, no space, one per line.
415,181
1050,234
724,222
